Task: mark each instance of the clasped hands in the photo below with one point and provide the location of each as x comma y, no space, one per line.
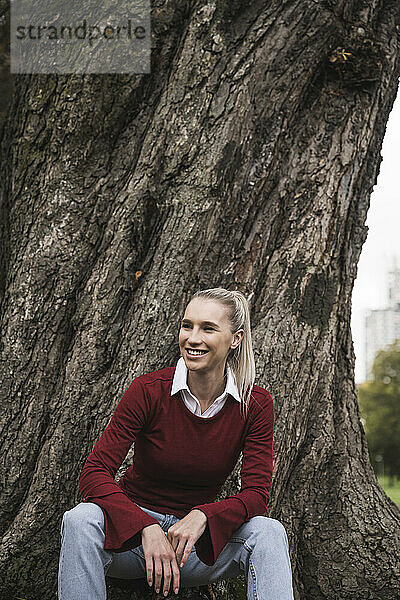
169,551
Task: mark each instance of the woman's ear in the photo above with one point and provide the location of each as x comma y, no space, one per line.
238,338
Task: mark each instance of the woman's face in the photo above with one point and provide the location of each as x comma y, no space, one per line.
205,327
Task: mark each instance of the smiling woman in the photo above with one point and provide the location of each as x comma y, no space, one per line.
204,345
217,321
189,423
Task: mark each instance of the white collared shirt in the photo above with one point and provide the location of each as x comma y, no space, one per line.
179,383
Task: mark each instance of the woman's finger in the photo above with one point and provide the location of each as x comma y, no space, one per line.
158,571
173,539
186,553
149,569
167,575
175,575
179,550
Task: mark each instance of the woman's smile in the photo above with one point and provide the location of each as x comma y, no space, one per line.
192,353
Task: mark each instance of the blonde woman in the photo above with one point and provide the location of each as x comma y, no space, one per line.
189,423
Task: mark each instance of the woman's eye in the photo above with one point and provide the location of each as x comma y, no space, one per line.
187,326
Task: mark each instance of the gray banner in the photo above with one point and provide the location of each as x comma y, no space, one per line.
63,36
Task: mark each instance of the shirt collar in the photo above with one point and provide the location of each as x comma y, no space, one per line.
179,381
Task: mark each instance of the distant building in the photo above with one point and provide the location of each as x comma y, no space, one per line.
382,326
394,288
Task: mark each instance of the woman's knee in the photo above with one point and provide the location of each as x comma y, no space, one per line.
268,528
82,515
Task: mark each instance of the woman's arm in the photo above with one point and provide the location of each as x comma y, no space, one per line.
124,520
224,517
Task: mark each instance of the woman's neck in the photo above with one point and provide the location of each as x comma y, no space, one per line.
206,386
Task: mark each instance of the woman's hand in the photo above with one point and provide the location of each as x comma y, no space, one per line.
184,534
157,547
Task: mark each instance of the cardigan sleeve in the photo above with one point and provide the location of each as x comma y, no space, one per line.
225,516
123,519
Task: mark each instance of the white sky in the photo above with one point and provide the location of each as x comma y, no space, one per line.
382,246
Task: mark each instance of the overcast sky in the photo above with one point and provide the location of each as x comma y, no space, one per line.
382,246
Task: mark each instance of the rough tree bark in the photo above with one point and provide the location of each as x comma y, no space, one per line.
245,159
6,78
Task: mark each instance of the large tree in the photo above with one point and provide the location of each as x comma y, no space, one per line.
245,159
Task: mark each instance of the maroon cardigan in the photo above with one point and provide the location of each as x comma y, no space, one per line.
181,461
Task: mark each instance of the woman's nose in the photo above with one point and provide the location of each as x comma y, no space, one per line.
194,336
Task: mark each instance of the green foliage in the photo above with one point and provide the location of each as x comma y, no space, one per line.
386,367
379,401
237,588
391,487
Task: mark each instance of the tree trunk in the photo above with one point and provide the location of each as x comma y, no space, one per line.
6,78
245,160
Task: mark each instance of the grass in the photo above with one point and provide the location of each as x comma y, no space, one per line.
393,491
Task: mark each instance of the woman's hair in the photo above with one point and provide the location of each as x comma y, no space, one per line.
241,358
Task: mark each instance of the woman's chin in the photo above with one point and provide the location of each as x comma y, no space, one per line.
194,364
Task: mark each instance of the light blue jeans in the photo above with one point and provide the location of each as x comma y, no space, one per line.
258,549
